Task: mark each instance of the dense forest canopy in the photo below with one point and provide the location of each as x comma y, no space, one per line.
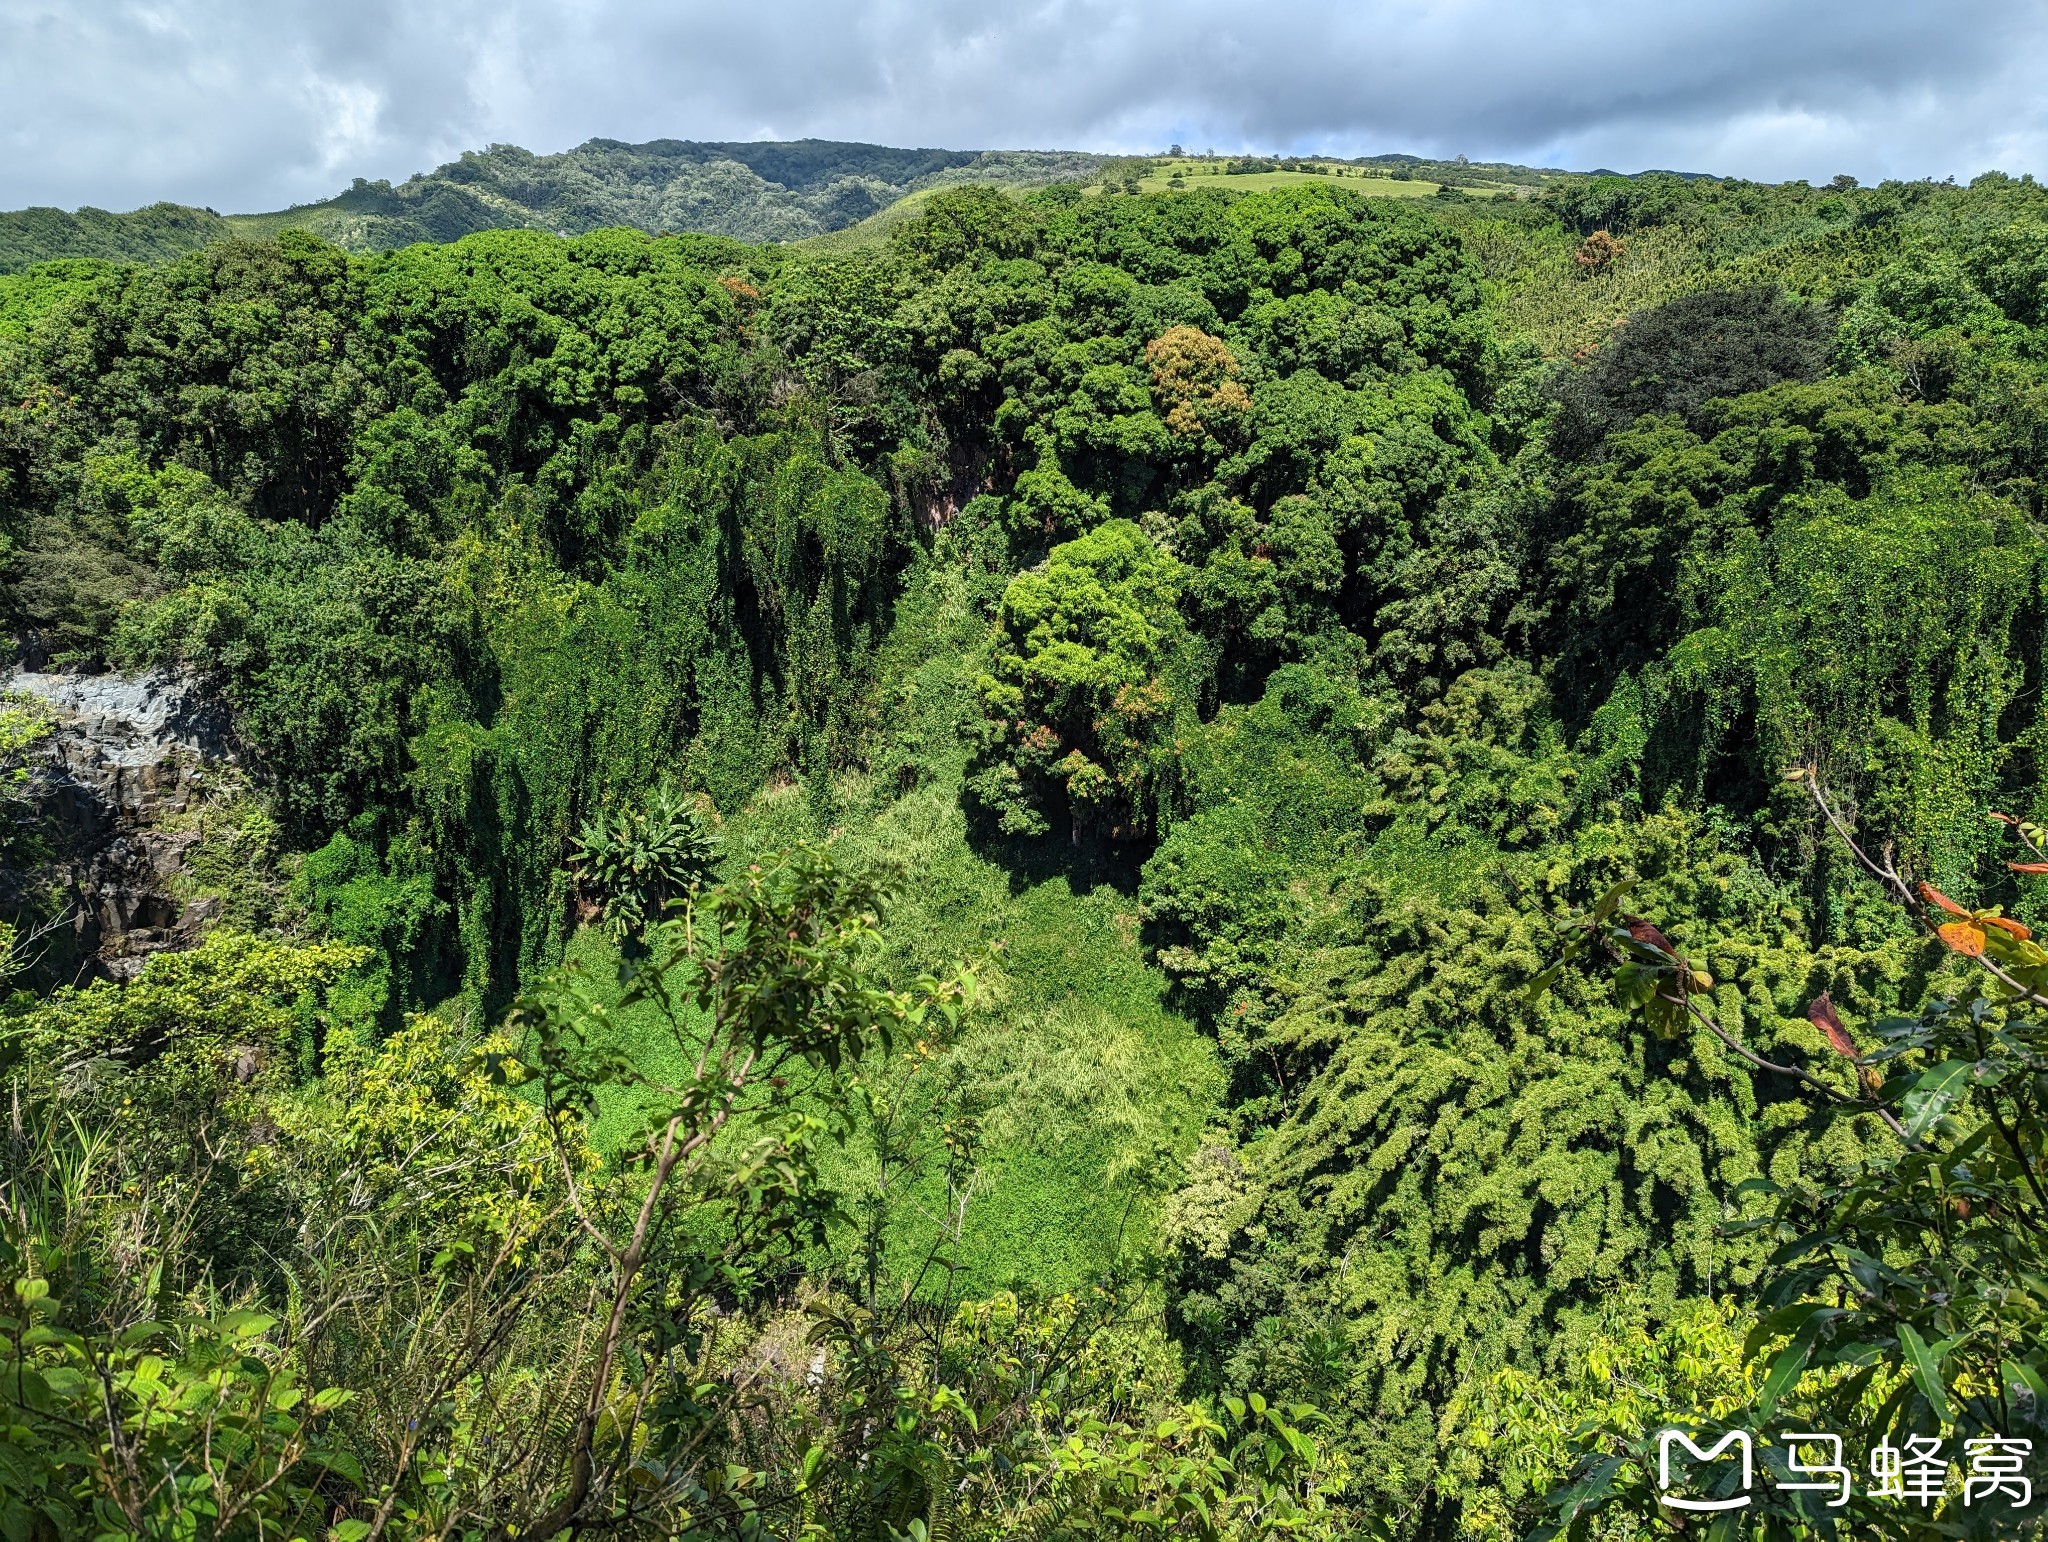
893,891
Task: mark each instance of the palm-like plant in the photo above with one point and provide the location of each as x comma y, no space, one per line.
635,861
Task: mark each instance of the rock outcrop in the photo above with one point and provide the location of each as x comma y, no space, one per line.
130,762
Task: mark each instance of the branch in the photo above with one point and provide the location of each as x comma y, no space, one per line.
582,1465
1796,1072
1888,874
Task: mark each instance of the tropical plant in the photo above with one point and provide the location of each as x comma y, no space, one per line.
1901,1308
635,863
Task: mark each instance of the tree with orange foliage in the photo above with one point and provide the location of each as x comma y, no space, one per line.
1195,381
1598,252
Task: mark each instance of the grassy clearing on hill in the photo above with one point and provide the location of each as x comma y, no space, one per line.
874,230
1197,171
1087,1092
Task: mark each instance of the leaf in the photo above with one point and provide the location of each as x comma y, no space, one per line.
1933,1094
1610,900
1542,983
1822,1014
1647,934
1636,984
1965,937
2010,928
1926,1373
1790,1362
449,1254
2028,867
1785,1320
1934,896
1589,1491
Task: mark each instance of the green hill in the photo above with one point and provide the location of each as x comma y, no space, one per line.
768,191
161,231
763,191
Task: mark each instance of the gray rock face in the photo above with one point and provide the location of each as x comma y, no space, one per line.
130,721
130,758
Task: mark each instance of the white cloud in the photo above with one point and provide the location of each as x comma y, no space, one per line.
245,105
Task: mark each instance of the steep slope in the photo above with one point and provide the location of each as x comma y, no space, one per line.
766,191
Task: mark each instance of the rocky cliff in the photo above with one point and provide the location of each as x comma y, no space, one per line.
128,774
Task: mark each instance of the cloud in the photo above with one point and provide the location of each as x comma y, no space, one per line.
245,105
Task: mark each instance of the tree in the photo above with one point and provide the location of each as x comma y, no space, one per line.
1194,378
1598,252
752,982
1085,691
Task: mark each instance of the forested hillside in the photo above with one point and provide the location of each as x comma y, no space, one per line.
1192,864
156,234
761,191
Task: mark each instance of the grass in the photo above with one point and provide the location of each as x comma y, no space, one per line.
1196,171
1085,1091
874,230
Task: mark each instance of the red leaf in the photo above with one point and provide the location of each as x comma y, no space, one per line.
1934,896
1647,934
2028,867
2010,928
1822,1014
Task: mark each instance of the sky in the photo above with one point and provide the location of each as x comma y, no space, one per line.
247,105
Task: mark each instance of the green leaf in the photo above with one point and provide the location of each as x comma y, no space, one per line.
1589,1491
1786,1319
449,1254
1790,1362
1926,1371
1933,1094
1611,900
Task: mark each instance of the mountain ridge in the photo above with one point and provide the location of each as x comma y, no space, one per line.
752,190
765,190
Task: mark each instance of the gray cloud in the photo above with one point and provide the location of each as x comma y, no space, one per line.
253,105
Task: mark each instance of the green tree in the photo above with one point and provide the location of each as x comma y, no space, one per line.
1087,692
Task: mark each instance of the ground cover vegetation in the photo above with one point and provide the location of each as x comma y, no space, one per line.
1119,865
